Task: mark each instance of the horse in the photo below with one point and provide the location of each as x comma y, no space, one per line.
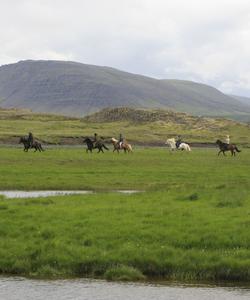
172,143
227,147
27,145
124,146
97,145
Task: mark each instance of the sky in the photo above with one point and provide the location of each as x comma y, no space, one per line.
207,41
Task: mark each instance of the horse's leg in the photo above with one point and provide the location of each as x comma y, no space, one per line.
219,152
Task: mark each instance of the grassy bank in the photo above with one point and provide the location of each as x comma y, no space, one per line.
191,223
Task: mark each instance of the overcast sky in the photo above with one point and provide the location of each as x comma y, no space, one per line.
202,40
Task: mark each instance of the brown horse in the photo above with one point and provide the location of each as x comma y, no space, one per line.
124,146
227,147
27,145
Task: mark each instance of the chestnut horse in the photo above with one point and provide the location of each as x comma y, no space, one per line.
124,146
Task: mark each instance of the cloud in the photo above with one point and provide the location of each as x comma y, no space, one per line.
206,41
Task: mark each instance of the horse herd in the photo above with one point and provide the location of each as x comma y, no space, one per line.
30,143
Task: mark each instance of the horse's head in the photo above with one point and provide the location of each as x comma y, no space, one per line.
21,140
87,140
218,142
170,141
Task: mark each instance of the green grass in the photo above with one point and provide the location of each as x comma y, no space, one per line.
191,223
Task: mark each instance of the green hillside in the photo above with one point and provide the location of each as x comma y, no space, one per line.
140,126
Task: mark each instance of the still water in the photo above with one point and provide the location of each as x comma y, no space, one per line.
35,194
12,288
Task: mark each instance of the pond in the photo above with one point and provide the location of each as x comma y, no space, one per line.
13,288
35,194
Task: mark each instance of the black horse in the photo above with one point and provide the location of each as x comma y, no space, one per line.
94,145
227,147
28,145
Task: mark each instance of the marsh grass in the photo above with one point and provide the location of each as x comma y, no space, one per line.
191,223
123,273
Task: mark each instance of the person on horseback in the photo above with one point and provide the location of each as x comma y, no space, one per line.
30,139
178,141
120,142
96,139
227,139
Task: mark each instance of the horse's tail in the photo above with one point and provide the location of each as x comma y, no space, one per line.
130,148
237,149
105,147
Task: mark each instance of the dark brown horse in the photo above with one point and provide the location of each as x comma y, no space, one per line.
227,147
27,145
94,145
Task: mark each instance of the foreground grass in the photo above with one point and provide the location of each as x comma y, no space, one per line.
191,223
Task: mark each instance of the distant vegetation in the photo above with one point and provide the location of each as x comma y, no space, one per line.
140,126
77,89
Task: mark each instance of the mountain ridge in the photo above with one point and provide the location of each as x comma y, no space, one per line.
77,89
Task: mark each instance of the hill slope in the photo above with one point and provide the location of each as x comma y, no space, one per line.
139,126
78,89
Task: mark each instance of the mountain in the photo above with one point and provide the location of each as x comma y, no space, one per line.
242,99
78,89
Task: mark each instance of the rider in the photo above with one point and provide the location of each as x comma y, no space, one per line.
30,139
178,141
121,139
227,139
96,138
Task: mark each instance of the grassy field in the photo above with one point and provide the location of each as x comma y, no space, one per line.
191,223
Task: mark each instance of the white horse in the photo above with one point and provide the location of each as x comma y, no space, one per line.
172,144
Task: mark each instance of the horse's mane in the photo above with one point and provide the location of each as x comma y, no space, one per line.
219,142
